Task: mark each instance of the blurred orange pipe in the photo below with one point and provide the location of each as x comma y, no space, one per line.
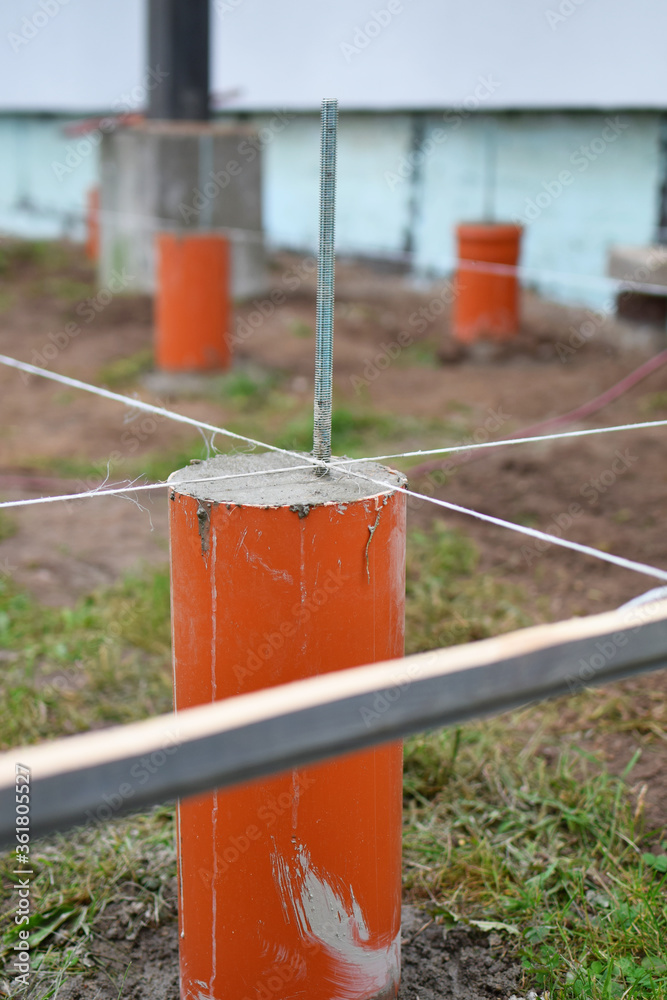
93,224
192,302
486,305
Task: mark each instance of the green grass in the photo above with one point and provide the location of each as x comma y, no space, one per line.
354,431
653,403
546,846
447,600
424,354
248,390
104,880
104,661
150,466
514,828
47,255
124,370
46,269
64,287
300,329
8,526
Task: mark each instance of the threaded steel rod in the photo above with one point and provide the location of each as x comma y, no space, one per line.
325,288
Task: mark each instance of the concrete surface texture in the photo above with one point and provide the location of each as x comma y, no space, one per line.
182,176
281,482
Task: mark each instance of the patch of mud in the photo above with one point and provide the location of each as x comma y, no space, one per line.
454,964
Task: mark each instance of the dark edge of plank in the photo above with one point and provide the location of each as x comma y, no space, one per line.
333,727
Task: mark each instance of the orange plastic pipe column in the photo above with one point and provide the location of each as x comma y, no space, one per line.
289,886
486,305
192,302
93,224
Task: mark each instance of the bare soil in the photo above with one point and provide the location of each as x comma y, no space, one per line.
513,386
436,964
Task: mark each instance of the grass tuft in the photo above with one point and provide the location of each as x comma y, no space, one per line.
505,829
65,670
8,526
127,369
447,600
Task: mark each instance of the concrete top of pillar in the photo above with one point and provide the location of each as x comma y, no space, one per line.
645,264
269,480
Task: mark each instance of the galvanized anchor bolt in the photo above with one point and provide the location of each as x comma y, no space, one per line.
325,290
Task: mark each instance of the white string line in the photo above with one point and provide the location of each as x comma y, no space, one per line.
148,407
180,418
131,488
154,222
506,441
638,567
343,462
521,529
625,284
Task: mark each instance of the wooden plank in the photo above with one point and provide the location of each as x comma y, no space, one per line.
90,777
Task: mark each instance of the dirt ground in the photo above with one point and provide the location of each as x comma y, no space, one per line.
617,483
619,499
436,964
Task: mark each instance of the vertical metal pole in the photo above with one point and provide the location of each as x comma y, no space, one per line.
325,289
178,50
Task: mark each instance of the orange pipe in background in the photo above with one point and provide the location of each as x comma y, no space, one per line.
192,302
486,305
289,886
93,224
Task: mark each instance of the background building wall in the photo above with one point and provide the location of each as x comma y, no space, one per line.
405,180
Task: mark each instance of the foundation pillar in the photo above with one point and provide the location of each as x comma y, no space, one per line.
180,176
192,307
289,886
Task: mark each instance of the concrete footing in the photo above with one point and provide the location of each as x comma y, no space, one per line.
181,176
645,265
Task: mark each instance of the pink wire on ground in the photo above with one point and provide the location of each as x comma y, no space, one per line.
585,410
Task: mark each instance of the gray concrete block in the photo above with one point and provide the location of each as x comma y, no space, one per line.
186,176
645,264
